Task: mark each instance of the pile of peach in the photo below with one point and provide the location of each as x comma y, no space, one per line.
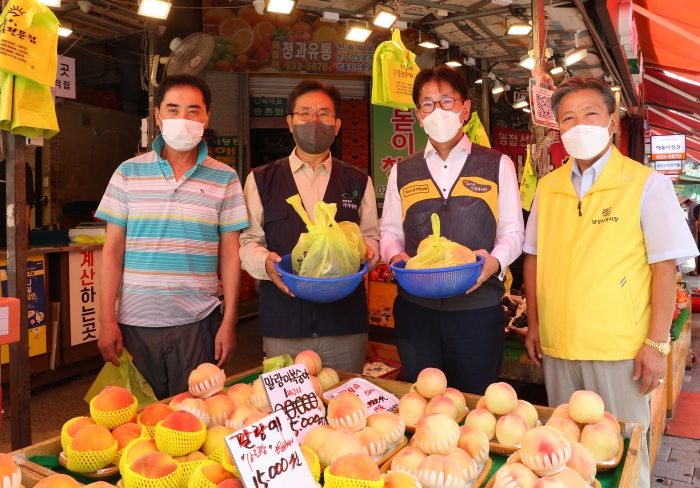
430,395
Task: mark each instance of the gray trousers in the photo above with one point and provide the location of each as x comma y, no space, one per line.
346,353
612,380
166,356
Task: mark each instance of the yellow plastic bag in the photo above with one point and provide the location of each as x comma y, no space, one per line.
330,249
125,375
29,41
528,185
26,107
475,131
279,362
393,72
439,252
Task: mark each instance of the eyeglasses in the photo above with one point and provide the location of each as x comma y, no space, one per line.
447,103
323,116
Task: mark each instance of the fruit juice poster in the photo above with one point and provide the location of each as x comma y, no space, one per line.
36,290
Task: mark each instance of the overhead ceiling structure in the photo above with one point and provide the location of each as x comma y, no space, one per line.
98,21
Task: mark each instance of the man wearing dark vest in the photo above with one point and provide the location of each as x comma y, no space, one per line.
474,191
336,331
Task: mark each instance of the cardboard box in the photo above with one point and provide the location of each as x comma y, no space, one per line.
383,352
86,95
380,300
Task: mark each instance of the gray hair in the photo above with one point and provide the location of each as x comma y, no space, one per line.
572,85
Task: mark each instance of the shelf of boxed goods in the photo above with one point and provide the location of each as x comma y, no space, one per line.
627,472
680,349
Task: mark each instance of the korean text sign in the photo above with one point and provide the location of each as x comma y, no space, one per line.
668,148
65,78
83,275
376,399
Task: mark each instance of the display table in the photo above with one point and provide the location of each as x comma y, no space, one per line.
625,476
680,348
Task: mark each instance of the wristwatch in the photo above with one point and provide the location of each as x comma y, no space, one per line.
663,347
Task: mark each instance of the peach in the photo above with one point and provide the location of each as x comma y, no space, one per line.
231,483
328,377
175,402
238,415
515,475
337,444
347,411
140,449
474,442
586,407
397,479
196,407
58,481
527,410
311,360
610,420
511,428
562,411
566,426
442,404
373,444
514,458
92,438
600,440
10,474
458,399
500,398
318,387
154,465
470,470
99,484
258,396
315,437
356,466
550,482
431,382
484,420
182,421
582,461
219,407
126,433
389,425
436,434
239,393
216,473
154,413
215,439
207,380
439,471
545,450
76,425
481,404
407,460
254,417
195,456
571,478
412,407
113,398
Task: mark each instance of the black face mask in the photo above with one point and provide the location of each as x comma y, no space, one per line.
314,137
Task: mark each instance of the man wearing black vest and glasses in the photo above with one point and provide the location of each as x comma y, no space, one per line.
336,331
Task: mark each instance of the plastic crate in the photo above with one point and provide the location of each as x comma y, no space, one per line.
355,125
357,158
354,108
355,142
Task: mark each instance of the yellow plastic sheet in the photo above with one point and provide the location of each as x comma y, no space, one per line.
528,185
439,252
26,107
475,131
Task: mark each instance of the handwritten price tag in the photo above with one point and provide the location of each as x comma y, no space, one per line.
376,399
267,456
290,391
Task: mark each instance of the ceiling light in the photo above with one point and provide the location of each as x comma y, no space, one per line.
357,32
479,81
575,55
497,88
428,44
527,62
385,19
556,70
280,6
158,9
65,29
615,88
525,109
520,103
454,64
519,29
51,3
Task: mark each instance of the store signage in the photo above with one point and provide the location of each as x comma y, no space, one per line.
376,399
36,288
513,143
268,107
84,291
668,148
226,150
268,456
290,391
65,78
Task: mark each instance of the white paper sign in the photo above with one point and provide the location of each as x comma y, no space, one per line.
376,399
84,282
65,78
267,456
290,390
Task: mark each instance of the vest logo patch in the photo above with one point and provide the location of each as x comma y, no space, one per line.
475,187
407,191
348,200
606,217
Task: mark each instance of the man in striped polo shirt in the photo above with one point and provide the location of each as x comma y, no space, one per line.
173,216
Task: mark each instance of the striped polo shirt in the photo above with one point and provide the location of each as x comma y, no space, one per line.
172,235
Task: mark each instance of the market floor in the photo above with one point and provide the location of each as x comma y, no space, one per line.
53,405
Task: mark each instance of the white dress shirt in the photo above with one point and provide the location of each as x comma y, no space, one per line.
510,230
666,233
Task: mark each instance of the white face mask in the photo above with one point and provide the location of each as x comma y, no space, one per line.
441,125
585,142
182,134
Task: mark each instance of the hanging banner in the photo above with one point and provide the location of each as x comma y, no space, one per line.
65,78
513,143
84,283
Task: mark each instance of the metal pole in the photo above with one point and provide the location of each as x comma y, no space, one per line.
616,137
538,46
485,97
16,201
151,88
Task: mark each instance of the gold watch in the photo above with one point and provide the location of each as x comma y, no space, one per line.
663,347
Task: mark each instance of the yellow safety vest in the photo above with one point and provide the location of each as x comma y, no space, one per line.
593,280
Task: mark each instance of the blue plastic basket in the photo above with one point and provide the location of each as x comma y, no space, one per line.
438,282
319,290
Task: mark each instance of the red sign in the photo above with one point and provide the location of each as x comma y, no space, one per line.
513,143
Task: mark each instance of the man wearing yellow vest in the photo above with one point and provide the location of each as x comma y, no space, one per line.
603,240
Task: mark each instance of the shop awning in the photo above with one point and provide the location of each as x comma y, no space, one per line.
669,34
668,92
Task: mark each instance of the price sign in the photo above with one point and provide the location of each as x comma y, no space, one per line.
290,391
668,148
376,399
267,456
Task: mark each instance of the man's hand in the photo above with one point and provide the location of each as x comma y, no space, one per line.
490,267
372,258
225,343
110,341
532,343
275,277
402,256
649,365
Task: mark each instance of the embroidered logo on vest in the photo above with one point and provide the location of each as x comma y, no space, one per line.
607,217
475,187
348,200
412,190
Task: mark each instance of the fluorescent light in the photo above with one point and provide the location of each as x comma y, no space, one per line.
615,88
51,3
525,109
428,44
385,19
574,55
280,6
556,70
527,62
519,29
680,78
64,31
453,63
521,103
497,88
358,34
158,9
479,81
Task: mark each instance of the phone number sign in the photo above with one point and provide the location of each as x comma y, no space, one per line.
668,148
